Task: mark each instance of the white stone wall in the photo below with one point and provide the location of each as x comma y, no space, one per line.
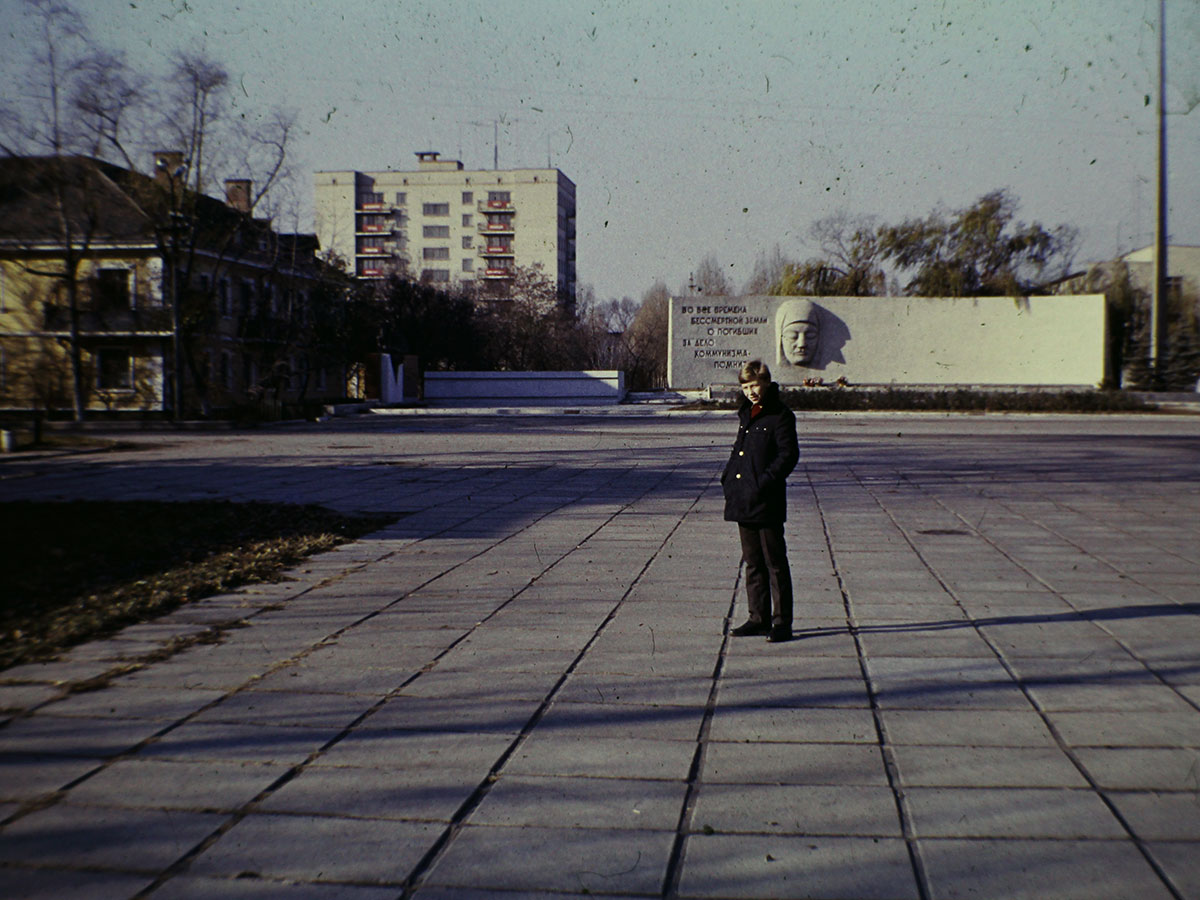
917,341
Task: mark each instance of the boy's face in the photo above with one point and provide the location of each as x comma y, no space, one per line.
753,390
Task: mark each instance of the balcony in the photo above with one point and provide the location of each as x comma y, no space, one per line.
496,250
498,273
372,207
374,229
493,206
505,227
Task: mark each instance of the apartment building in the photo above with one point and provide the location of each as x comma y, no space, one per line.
99,258
445,224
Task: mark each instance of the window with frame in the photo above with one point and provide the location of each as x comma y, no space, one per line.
468,242
224,299
435,253
468,264
499,196
436,209
226,370
401,198
114,369
369,197
435,275
114,288
246,299
436,231
468,220
468,198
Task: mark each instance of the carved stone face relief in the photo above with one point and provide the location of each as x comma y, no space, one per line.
798,326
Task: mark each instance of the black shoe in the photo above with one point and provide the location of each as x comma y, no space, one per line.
779,634
750,628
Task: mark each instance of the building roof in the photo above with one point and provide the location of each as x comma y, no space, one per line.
102,202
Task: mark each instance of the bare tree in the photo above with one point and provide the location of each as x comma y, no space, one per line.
72,107
710,279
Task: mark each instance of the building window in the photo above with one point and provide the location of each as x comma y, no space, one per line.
468,219
499,197
436,253
114,288
435,275
369,197
246,299
114,369
224,300
401,198
436,209
468,242
436,231
370,244
226,370
468,198
468,264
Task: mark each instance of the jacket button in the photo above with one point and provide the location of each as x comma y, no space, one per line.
741,453
739,474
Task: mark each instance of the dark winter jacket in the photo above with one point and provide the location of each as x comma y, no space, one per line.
764,454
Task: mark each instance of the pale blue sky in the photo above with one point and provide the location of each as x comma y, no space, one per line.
700,127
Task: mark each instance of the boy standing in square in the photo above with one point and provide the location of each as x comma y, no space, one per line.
764,454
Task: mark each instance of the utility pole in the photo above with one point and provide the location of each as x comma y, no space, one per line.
1158,304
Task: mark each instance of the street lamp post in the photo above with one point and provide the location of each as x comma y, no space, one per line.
1158,303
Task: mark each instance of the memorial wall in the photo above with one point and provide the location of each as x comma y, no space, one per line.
1056,341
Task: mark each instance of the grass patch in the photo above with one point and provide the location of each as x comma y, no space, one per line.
79,570
839,399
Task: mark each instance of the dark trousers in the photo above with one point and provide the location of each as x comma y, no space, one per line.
768,576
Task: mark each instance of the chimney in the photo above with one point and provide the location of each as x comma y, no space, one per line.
168,167
238,194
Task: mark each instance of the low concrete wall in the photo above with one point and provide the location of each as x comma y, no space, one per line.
584,388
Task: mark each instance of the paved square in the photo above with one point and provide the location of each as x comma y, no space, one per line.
525,686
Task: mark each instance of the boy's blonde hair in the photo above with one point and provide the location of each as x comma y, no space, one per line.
755,370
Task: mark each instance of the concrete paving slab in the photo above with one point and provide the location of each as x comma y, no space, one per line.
796,809
1158,815
418,794
797,726
570,802
689,691
121,701
569,755
188,887
1026,767
55,884
625,720
130,840
1010,813
51,735
811,764
244,742
1128,728
156,784
775,866
467,714
315,848
1181,862
1166,769
575,860
967,728
368,747
24,777
1032,870
333,711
